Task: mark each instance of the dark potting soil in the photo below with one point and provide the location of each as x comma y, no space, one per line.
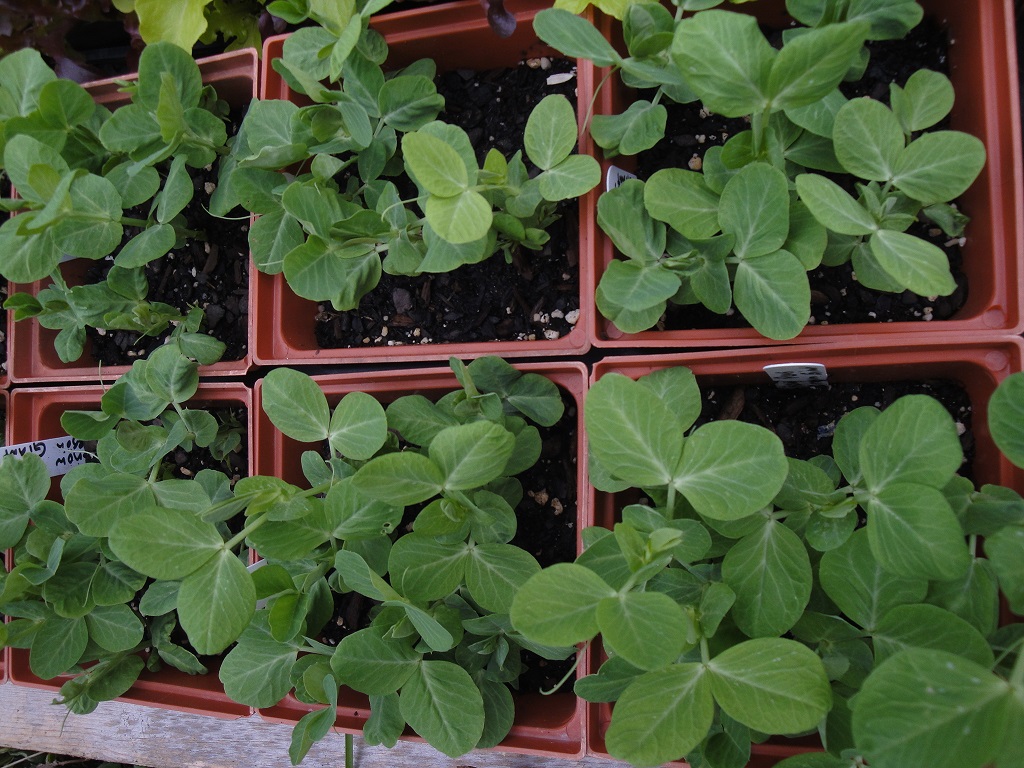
546,529
805,418
836,296
536,296
212,274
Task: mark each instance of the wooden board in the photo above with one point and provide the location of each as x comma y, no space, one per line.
159,738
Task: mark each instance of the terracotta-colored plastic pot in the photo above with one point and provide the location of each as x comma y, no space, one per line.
4,652
31,354
545,725
458,39
983,66
978,366
35,415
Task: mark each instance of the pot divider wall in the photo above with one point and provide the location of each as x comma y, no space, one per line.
31,354
457,36
35,415
978,366
549,725
982,63
5,663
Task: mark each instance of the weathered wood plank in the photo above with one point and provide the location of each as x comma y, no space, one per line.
159,738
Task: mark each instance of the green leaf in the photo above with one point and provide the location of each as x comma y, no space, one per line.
494,572
400,478
216,602
647,629
854,580
499,713
170,375
408,102
464,218
571,178
924,100
637,286
730,470
57,646
257,671
574,36
770,572
639,127
443,705
662,715
928,626
868,139
939,166
550,133
373,664
631,432
180,24
726,60
913,441
773,293
914,263
435,164
471,455
423,568
914,533
772,685
810,66
312,727
558,606
931,708
622,216
684,201
114,627
164,543
358,426
1004,549
755,210
114,582
150,244
833,206
1006,418
296,405
24,482
385,724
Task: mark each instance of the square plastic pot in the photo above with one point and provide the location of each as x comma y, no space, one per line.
4,652
983,67
544,725
978,366
457,36
31,354
35,415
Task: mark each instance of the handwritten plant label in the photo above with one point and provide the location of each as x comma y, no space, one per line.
794,375
615,176
58,453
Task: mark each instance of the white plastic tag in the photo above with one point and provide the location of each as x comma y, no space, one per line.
795,375
616,176
58,453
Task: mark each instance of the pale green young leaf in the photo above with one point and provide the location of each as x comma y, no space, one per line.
914,533
550,133
574,36
819,117
631,431
914,264
165,543
400,478
647,629
417,419
939,166
684,201
628,319
925,98
727,60
662,715
471,455
558,606
464,218
443,705
833,207
96,228
677,389
177,191
216,602
772,685
23,74
271,237
846,442
913,441
296,405
435,164
773,293
770,572
931,627
754,208
868,139
933,708
638,286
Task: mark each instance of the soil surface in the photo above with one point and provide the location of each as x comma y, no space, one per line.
536,296
805,418
211,273
836,297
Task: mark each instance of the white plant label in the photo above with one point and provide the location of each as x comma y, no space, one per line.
615,177
58,453
796,375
